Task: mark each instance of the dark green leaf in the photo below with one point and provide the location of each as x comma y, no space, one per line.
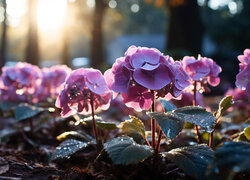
106,125
133,125
25,111
124,150
197,115
68,148
231,158
6,132
74,135
167,105
193,160
224,105
170,123
5,106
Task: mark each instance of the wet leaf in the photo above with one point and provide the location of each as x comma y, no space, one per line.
5,133
124,150
196,115
106,125
224,105
193,160
133,125
167,105
68,148
231,158
86,120
170,123
74,135
5,106
25,111
247,132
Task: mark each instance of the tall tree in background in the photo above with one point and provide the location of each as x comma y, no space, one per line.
65,49
3,50
32,49
97,54
185,26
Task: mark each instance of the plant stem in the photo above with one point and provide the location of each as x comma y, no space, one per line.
159,142
93,118
194,104
145,139
153,124
31,125
211,139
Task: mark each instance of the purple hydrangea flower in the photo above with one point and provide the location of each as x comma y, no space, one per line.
138,98
52,79
142,70
80,87
212,76
22,81
242,78
197,69
202,70
244,59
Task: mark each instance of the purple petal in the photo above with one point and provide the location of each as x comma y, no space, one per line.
155,79
96,82
138,59
121,80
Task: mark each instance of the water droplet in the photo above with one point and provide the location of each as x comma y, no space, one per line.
192,143
216,170
236,169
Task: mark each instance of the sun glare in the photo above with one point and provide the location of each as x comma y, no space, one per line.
51,14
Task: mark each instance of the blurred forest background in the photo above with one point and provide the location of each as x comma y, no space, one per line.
82,33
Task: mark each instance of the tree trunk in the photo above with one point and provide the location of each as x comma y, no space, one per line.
65,48
32,50
185,27
97,54
3,50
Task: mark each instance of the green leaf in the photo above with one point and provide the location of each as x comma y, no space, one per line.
25,111
5,105
124,150
193,160
133,125
74,135
197,115
106,125
167,105
224,105
170,123
68,148
231,158
247,132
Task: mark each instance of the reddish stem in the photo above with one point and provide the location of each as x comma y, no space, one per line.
153,124
145,139
194,104
159,142
211,140
93,118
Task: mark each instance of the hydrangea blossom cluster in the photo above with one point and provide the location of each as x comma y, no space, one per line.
80,88
52,79
243,77
143,70
20,82
26,82
203,70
